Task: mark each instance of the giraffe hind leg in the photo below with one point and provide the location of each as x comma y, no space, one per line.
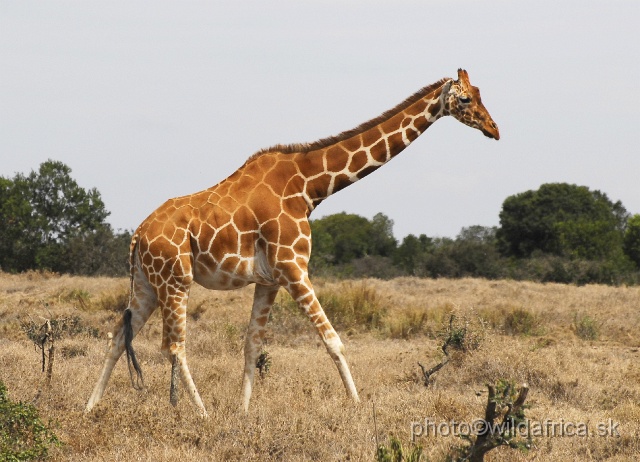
142,304
125,330
115,350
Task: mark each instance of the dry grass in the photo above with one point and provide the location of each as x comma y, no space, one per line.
534,333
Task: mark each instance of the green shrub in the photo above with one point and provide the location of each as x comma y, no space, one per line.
396,453
462,334
23,436
586,327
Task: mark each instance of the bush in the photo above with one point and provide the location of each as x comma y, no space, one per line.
586,327
396,453
23,436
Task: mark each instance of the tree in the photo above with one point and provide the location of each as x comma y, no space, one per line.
382,241
342,237
46,218
65,208
411,253
339,238
17,239
632,239
100,252
475,253
561,219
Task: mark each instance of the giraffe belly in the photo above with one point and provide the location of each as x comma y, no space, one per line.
241,272
220,280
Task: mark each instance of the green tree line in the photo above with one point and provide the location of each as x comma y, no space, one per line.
557,233
48,222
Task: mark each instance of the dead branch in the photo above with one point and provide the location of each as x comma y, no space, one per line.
426,374
494,435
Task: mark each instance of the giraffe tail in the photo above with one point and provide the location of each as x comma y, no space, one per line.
132,261
138,384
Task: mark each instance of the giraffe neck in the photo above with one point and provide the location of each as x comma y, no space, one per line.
335,163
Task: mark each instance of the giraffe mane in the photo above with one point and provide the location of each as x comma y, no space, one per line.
325,142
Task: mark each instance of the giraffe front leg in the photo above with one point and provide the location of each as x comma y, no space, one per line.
303,293
263,299
178,358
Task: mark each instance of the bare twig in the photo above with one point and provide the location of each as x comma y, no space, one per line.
46,334
375,427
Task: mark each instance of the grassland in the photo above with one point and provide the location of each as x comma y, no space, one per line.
578,349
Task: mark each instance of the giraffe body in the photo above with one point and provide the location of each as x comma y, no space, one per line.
253,228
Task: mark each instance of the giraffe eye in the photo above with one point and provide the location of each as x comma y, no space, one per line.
465,99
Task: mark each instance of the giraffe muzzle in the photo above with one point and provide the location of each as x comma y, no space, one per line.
491,131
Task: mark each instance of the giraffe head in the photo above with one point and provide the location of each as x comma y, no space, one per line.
462,101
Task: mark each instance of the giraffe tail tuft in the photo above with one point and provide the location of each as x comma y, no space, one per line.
138,384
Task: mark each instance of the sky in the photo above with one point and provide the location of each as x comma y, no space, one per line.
148,100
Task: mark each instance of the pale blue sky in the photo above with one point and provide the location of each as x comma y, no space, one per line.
150,100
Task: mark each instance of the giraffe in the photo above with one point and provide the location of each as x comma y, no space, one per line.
253,228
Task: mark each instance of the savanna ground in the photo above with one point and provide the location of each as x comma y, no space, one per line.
578,349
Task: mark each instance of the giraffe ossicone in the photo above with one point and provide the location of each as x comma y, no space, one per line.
253,228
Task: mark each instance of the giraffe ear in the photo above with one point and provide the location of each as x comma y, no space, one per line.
463,76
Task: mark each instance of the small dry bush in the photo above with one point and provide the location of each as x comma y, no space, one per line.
586,327
61,327
465,333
